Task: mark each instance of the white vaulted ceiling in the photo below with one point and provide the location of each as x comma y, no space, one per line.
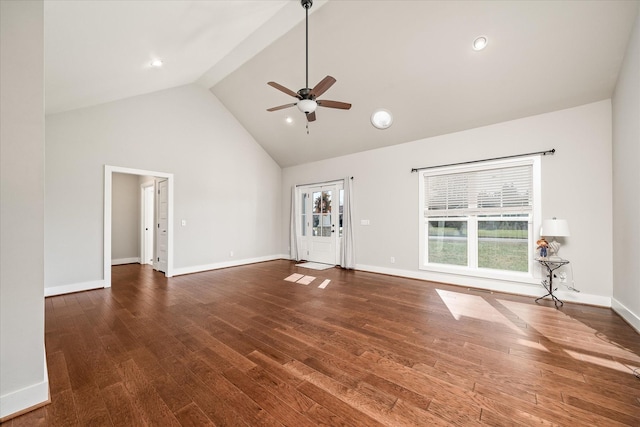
413,58
100,50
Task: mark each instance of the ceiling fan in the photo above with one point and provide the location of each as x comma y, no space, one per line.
307,98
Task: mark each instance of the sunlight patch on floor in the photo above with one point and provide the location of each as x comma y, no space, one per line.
532,344
473,306
575,336
294,277
601,361
301,279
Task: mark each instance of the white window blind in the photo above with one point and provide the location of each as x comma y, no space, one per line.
492,191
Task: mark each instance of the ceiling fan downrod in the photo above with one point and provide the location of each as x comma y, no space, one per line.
307,5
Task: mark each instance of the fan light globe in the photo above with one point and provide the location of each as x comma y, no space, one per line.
307,106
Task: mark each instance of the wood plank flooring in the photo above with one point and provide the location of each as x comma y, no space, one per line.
243,347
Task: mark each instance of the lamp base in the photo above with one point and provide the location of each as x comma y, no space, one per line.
554,248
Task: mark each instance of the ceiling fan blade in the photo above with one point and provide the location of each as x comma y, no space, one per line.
311,117
283,89
323,86
280,107
333,104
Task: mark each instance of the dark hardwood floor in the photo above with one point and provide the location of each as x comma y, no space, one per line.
241,346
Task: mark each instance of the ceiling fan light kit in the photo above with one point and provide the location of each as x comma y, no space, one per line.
307,97
307,106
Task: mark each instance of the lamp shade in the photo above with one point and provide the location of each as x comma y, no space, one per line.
555,227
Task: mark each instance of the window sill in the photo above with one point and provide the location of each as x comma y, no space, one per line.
525,278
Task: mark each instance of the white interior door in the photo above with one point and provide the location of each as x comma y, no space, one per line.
320,223
162,214
148,225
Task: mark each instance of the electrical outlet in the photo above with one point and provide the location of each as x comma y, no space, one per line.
230,253
562,277
393,260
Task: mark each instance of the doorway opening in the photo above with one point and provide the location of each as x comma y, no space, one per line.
162,222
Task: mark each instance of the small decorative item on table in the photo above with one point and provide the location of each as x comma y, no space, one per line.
543,247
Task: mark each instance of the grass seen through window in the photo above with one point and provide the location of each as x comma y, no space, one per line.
502,245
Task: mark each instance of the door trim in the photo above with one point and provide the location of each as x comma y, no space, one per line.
158,265
305,242
106,225
143,212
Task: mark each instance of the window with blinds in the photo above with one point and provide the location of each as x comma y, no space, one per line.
482,192
480,216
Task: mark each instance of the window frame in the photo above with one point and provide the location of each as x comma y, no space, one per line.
534,221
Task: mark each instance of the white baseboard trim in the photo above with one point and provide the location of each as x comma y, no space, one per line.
20,401
509,287
121,261
225,264
98,284
75,287
629,316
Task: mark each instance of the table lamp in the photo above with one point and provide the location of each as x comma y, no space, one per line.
554,228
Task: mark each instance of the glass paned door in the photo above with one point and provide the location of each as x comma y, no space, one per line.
320,214
303,210
322,224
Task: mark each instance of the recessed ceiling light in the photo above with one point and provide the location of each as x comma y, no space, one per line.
381,118
157,63
480,43
288,119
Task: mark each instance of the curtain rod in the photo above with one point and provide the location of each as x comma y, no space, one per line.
323,182
544,153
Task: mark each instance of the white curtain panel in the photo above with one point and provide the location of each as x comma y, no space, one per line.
347,253
293,235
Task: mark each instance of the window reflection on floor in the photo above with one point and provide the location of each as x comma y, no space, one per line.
473,306
547,329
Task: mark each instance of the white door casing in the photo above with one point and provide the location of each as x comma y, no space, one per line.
161,237
148,229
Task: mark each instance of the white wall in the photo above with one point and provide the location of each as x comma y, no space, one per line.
576,185
125,218
23,375
226,187
626,184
